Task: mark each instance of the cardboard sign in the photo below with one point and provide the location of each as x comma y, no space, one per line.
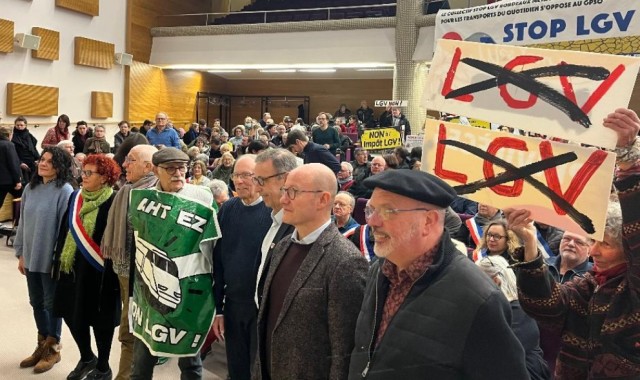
392,103
374,139
555,93
412,141
563,185
540,21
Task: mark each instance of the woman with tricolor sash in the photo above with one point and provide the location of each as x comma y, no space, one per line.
87,294
497,240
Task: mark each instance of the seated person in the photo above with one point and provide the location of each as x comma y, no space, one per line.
471,231
497,240
352,126
343,206
345,176
358,190
361,165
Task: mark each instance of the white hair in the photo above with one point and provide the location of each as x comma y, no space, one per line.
498,266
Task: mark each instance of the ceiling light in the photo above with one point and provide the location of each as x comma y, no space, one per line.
317,70
377,69
278,71
341,65
224,71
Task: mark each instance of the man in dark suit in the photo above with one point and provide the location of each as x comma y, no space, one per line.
272,167
298,143
313,288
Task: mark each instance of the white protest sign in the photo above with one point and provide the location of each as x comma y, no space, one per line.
392,103
563,185
556,93
525,22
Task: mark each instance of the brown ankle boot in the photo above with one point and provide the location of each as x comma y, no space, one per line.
50,355
35,357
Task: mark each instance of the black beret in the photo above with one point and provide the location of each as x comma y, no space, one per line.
169,154
418,185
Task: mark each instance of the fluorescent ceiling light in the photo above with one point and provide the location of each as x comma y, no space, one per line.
224,71
317,70
278,71
377,69
357,65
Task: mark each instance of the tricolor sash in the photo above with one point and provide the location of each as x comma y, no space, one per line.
475,230
349,232
366,247
543,246
89,248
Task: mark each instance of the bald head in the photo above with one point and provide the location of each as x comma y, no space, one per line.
323,178
144,152
308,197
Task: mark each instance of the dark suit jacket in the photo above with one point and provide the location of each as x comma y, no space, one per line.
284,230
313,336
316,153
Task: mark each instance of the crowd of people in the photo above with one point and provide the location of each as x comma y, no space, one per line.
325,268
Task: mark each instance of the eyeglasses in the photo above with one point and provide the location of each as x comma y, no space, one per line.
173,169
262,180
341,205
244,176
292,192
87,173
495,237
576,241
387,213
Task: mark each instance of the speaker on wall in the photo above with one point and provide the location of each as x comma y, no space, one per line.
123,59
27,41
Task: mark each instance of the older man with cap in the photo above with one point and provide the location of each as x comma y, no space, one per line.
428,312
170,166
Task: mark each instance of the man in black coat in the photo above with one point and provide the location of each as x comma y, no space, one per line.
298,143
428,311
395,119
10,175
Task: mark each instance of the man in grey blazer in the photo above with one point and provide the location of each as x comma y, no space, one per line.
313,288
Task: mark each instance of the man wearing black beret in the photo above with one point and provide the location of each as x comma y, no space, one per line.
428,312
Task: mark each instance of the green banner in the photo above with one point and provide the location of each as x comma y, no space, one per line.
172,307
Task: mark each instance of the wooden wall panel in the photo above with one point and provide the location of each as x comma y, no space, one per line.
94,53
326,95
152,90
6,36
88,7
101,104
49,44
144,14
30,100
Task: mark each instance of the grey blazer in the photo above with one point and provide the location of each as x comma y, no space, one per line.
314,334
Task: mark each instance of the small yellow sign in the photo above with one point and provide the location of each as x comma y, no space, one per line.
387,138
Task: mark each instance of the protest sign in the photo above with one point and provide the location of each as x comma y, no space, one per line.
526,22
563,185
375,139
392,103
172,307
556,93
413,141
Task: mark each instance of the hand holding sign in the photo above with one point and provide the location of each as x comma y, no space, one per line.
625,123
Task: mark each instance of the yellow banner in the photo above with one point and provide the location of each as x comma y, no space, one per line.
387,138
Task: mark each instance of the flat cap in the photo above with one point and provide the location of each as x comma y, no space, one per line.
418,185
169,154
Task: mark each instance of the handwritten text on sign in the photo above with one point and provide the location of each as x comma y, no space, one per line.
387,138
392,103
556,93
564,185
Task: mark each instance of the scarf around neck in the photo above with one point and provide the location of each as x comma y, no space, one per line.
603,276
91,201
113,245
